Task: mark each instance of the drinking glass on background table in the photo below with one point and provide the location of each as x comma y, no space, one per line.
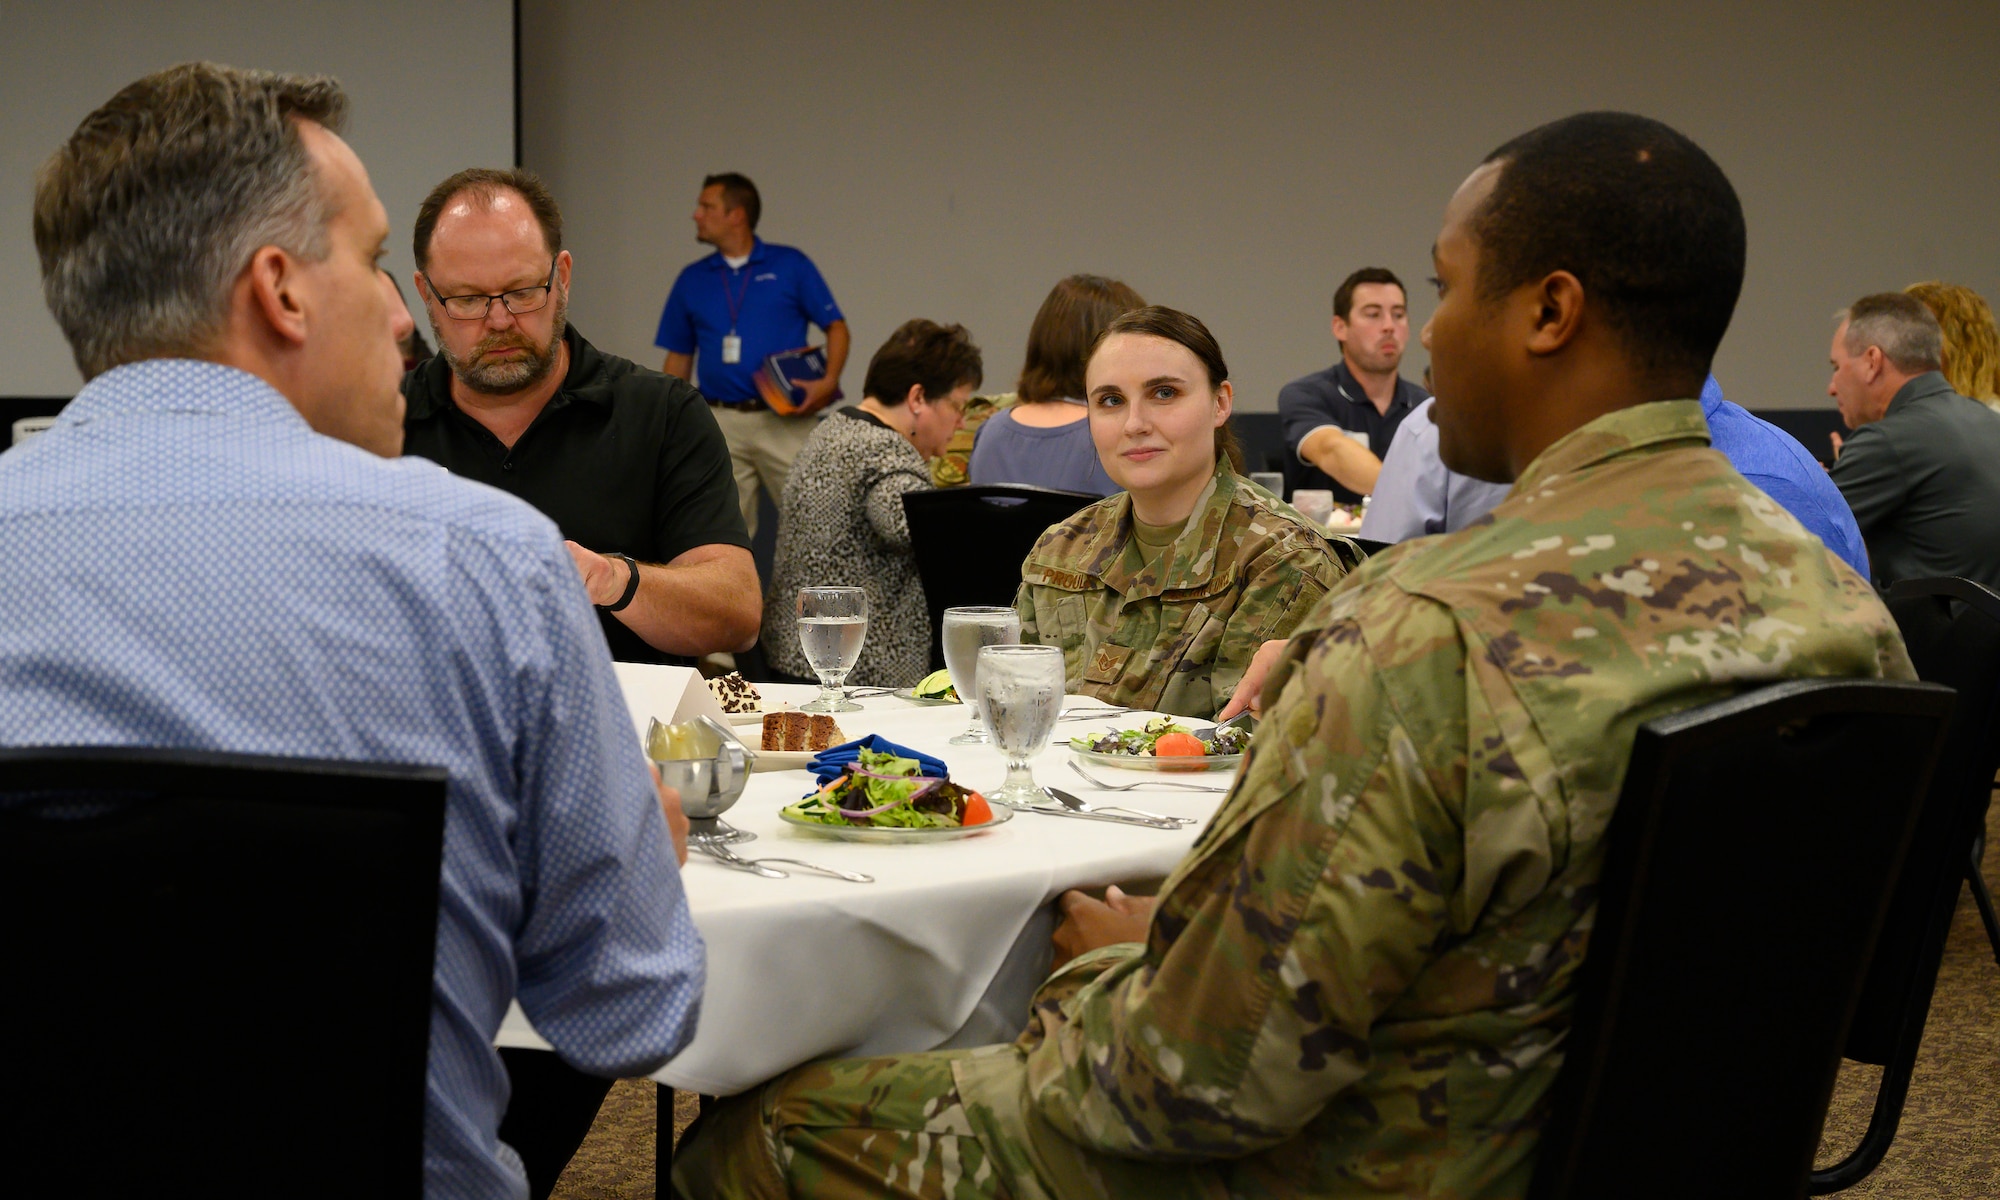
965,631
1020,693
833,622
1314,504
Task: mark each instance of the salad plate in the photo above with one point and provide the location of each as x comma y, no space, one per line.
910,694
894,834
884,797
1151,762
1135,749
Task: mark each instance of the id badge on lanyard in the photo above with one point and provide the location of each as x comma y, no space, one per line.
732,345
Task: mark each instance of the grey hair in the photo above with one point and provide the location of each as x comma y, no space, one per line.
149,212
1905,329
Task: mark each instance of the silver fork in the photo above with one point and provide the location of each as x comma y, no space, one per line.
720,852
729,858
1144,783
801,864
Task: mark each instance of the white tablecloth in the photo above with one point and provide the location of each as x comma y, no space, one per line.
811,966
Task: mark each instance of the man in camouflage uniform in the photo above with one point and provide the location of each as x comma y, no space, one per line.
1358,982
1177,636
952,467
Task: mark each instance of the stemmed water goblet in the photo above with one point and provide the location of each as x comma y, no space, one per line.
1020,693
966,630
833,623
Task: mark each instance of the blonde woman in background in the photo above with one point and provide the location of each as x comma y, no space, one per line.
1971,342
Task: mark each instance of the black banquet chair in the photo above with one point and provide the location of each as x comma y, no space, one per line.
218,973
969,543
1747,870
1952,630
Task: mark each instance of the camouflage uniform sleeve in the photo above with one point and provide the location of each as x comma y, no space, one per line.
950,468
1285,585
1319,892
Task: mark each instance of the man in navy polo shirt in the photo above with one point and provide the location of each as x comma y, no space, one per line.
1339,422
735,308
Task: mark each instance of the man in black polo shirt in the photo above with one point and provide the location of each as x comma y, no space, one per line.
1339,422
627,462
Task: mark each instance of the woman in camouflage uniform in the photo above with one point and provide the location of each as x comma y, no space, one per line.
1160,595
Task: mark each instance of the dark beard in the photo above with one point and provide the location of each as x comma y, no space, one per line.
505,379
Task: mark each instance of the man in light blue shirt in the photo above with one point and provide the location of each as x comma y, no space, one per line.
1417,495
216,548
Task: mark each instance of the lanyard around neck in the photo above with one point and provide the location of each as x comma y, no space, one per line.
735,301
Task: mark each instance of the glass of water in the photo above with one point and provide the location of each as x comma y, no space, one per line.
833,622
965,631
1020,693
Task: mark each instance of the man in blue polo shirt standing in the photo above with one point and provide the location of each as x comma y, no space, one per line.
735,308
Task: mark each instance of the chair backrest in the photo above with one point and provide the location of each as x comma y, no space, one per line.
1747,868
969,542
1952,630
218,973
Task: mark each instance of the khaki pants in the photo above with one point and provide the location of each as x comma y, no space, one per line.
762,445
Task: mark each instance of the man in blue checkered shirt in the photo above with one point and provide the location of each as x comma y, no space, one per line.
216,547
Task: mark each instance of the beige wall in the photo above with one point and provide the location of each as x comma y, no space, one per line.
430,82
954,160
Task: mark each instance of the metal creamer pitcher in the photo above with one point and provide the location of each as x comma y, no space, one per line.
702,760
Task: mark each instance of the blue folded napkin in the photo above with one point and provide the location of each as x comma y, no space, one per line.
828,764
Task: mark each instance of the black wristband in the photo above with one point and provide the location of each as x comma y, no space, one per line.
631,585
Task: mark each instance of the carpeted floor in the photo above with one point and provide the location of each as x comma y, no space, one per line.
1948,1147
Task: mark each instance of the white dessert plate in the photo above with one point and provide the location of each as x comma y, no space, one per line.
782,760
756,716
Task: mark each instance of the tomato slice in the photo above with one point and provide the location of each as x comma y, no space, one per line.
977,811
1177,745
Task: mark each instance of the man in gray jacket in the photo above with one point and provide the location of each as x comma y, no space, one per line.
1921,469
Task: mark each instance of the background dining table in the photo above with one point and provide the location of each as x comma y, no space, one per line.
948,944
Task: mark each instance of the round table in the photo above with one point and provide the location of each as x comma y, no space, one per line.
944,948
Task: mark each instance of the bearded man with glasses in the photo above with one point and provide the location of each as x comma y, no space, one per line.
628,462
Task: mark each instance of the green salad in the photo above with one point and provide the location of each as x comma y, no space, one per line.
887,790
1180,740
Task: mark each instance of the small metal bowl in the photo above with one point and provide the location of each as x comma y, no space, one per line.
711,781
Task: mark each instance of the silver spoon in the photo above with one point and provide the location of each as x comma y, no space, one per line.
1144,783
1074,807
1080,713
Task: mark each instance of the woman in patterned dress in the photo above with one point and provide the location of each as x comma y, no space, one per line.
841,517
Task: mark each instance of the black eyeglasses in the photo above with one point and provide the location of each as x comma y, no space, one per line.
518,301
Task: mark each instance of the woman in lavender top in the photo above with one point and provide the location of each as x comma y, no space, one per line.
1044,438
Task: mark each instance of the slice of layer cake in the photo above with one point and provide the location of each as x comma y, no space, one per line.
800,731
